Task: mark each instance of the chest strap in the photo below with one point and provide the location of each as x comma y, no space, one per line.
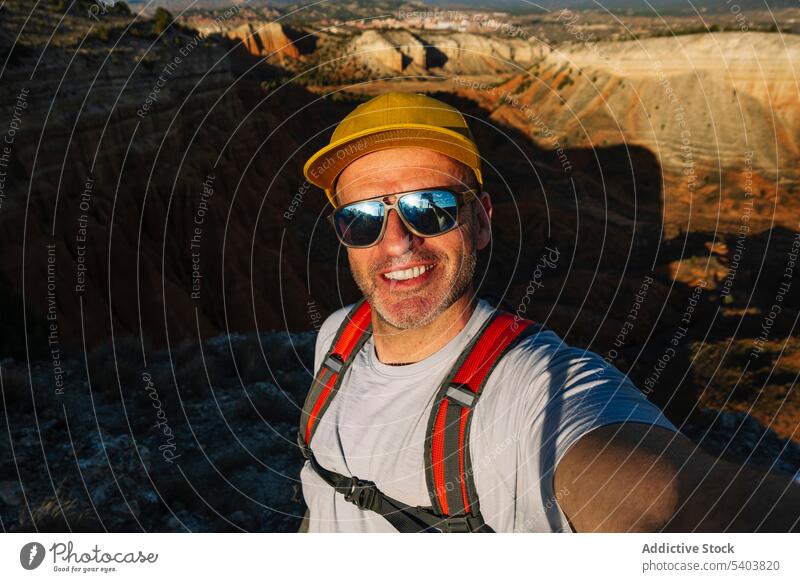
448,468
403,517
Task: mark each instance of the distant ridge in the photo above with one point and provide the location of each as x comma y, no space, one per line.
639,5
667,6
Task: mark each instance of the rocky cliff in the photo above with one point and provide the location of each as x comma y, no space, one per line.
143,194
424,52
273,40
378,51
720,111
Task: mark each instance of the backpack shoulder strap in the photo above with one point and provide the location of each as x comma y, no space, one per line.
448,435
354,331
448,467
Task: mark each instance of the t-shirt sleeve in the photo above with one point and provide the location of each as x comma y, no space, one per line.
572,393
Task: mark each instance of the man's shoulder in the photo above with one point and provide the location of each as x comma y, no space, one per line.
539,344
544,350
543,371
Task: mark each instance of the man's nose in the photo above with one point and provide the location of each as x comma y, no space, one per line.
397,239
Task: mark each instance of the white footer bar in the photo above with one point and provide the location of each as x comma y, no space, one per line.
354,557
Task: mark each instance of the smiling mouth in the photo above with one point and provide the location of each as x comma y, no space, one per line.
409,277
407,274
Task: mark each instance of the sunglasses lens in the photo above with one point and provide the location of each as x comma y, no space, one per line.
359,224
430,212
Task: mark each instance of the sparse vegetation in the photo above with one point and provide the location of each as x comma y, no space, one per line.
120,8
738,375
58,513
57,5
687,30
101,33
162,20
149,60
344,97
522,87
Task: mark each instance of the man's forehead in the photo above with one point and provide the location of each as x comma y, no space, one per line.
397,170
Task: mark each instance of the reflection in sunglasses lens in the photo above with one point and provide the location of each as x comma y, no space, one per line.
431,212
359,224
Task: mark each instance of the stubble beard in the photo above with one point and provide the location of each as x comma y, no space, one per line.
418,308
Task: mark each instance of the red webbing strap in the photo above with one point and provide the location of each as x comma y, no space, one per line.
450,429
357,325
493,342
342,350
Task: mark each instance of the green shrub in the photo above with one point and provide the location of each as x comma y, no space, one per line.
567,80
149,61
57,515
162,20
120,8
523,86
102,34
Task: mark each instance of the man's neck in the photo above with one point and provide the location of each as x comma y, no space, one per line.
393,345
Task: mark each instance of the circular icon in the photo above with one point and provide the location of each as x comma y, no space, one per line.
31,555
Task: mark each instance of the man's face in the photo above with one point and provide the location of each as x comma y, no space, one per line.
447,262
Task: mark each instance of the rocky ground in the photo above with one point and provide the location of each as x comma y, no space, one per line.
140,455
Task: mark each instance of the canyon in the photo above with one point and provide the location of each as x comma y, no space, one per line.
154,218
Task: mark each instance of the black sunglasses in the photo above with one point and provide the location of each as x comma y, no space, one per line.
426,213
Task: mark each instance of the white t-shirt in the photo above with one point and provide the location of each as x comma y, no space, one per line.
539,400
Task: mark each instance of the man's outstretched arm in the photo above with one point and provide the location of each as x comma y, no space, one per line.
637,477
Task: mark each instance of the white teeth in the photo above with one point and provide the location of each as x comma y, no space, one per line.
407,273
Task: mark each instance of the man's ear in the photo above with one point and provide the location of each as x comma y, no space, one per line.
483,232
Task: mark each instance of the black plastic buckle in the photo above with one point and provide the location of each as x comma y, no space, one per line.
363,493
304,449
461,524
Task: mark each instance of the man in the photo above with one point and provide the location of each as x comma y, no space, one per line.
558,441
